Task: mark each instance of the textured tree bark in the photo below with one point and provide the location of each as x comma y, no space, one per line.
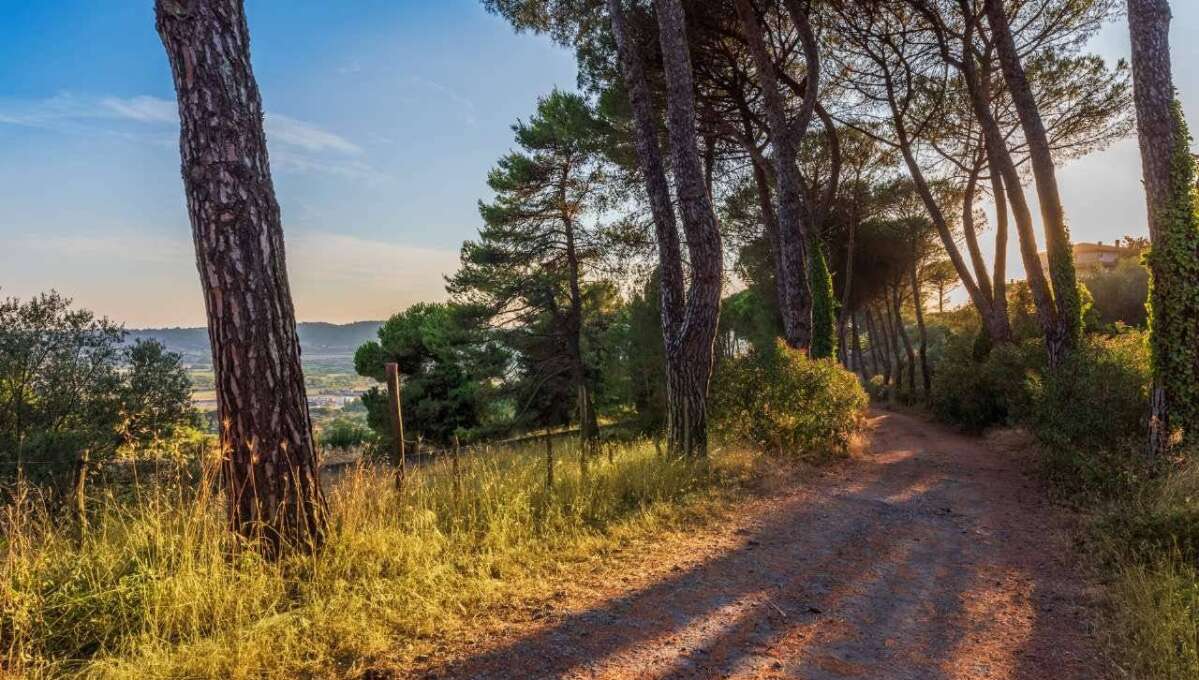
269,457
1058,248
999,286
1006,176
770,220
692,351
1158,134
795,301
690,327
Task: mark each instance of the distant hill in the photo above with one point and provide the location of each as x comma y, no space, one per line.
316,337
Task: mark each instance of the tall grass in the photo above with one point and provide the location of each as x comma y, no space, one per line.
1149,535
156,586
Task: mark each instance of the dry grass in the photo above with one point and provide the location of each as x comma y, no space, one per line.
156,588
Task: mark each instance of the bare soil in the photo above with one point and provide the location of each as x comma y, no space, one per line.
930,555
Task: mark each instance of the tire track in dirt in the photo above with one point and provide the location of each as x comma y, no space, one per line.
929,557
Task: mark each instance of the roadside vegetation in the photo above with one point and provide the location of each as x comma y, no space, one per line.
156,586
838,155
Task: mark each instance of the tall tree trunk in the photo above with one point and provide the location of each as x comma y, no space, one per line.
578,370
690,326
999,285
795,300
858,363
896,295
918,305
878,365
894,370
1008,179
1058,248
845,314
995,324
270,465
770,220
888,318
1169,175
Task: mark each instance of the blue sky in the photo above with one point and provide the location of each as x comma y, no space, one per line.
383,119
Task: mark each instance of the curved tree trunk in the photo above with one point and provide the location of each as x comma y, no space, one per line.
1008,179
795,296
689,328
691,353
1057,235
269,457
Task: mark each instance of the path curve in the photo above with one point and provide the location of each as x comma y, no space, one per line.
929,557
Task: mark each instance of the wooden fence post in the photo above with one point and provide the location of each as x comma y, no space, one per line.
80,491
457,474
549,462
397,422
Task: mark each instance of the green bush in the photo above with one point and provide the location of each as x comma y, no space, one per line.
1089,417
788,403
974,393
344,433
1097,398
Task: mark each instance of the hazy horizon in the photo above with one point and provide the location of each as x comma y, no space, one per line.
382,124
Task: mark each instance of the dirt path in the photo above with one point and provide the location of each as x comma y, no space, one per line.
929,557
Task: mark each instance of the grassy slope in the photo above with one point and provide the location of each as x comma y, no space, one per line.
156,588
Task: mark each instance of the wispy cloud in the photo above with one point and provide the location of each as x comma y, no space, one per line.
296,145
286,160
466,107
143,109
287,130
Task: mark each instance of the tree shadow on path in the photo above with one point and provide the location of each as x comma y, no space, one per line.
932,558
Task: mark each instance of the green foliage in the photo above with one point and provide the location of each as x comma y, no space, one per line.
157,588
345,433
447,367
824,304
1147,534
67,383
1157,621
155,395
646,357
1098,396
974,392
527,275
1174,289
1119,295
788,403
750,317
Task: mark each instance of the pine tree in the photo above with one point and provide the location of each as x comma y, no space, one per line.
528,269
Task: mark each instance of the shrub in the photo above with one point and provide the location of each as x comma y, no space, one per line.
788,403
344,433
1089,417
1097,398
976,393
